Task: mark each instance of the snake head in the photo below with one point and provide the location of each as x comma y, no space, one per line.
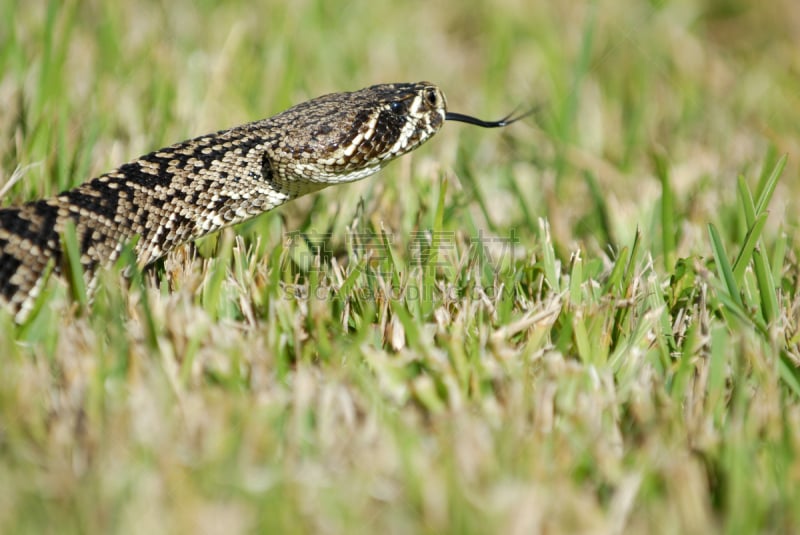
348,136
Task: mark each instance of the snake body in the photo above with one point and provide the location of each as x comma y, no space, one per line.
184,191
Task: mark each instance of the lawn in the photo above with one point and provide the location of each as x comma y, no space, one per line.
587,322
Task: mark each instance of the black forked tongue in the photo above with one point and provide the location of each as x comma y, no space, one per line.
505,121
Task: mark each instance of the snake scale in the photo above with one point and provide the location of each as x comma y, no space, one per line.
184,191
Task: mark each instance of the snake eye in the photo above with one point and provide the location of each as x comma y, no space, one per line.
396,107
431,97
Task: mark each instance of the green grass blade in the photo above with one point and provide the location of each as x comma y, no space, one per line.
718,362
723,266
614,282
633,260
431,264
552,273
128,261
789,373
779,256
72,265
575,281
393,266
748,206
352,278
767,165
766,286
668,227
765,191
746,252
212,292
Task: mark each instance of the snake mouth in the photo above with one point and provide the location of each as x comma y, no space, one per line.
505,121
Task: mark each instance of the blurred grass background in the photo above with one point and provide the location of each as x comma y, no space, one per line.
617,374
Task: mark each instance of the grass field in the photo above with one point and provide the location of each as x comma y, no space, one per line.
585,323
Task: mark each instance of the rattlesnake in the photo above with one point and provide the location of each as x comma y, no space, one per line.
192,188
